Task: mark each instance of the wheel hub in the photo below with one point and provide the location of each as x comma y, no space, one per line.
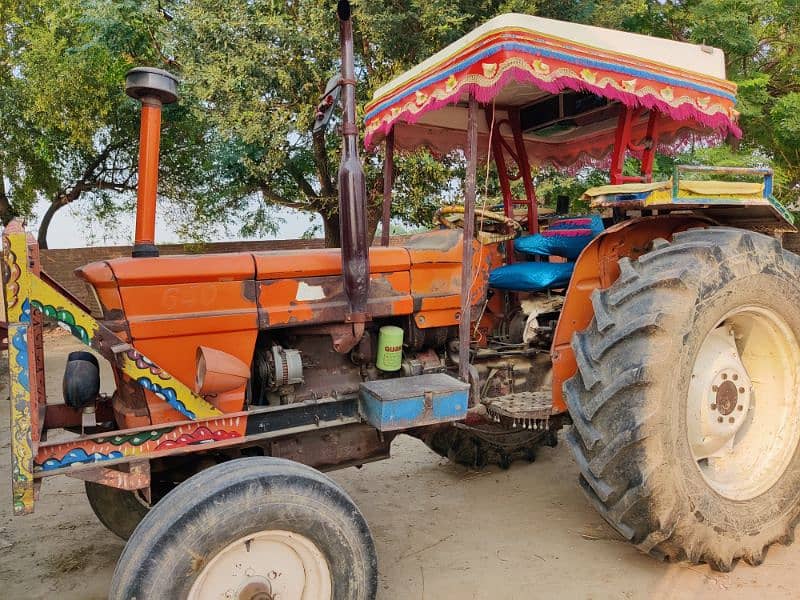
743,403
727,397
268,565
719,393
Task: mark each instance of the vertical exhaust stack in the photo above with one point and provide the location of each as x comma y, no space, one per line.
352,186
153,88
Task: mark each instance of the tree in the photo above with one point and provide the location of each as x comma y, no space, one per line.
238,147
67,130
761,41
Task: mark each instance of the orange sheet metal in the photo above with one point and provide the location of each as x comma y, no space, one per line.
186,268
598,268
320,262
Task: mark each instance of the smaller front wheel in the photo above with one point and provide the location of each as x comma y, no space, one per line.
249,529
119,510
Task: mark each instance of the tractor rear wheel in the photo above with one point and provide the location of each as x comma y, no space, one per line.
256,527
686,403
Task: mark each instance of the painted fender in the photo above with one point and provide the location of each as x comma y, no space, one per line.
597,268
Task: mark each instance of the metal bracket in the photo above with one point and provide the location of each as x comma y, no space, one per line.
136,478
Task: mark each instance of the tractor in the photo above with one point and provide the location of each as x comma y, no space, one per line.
659,329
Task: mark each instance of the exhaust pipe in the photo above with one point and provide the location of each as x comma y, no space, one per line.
153,88
352,186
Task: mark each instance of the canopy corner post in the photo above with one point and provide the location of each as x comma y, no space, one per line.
469,231
388,181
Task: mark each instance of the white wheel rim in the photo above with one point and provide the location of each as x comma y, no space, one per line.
269,565
743,405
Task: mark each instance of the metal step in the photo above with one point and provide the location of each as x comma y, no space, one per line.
524,410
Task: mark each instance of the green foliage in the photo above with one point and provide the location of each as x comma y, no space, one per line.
67,130
238,147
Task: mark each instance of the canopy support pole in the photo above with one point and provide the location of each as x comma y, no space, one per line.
388,180
525,171
623,142
502,172
469,233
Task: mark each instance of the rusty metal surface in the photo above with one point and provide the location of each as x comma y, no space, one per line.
59,416
352,185
136,477
525,410
336,448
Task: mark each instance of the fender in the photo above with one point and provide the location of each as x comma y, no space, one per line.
598,268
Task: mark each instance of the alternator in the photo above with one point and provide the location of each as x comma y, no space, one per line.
287,367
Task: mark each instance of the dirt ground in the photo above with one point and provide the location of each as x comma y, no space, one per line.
441,532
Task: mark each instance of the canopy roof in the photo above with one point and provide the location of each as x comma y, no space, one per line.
566,81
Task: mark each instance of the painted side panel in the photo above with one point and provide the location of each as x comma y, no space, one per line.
16,278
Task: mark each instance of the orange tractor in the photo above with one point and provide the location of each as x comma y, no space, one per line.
662,327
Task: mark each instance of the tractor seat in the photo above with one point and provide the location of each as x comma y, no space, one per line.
565,238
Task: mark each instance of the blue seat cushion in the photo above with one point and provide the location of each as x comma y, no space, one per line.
566,237
531,276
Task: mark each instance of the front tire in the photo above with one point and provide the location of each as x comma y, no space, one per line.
119,510
677,457
251,527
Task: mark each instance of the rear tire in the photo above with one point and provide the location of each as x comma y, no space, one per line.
632,405
213,532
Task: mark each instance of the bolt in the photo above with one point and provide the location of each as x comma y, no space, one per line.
735,377
713,406
719,419
731,419
741,390
714,388
724,376
229,594
250,572
740,407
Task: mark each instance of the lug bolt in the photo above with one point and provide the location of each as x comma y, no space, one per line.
714,388
724,375
735,377
731,419
740,407
720,419
741,390
713,407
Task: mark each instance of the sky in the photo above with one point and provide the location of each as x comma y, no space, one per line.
68,231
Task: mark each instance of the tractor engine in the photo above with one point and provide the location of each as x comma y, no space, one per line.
303,364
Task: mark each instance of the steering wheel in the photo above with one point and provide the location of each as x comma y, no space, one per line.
452,217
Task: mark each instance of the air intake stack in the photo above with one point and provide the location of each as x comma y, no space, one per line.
153,88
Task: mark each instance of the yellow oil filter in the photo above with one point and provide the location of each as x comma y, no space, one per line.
390,348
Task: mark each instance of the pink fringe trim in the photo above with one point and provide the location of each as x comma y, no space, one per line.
719,121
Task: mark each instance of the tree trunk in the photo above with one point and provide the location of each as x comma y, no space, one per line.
6,211
58,203
374,214
333,238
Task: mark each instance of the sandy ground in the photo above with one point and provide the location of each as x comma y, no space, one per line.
441,532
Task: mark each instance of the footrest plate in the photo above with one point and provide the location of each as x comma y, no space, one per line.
526,410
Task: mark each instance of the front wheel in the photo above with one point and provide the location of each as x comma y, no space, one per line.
119,510
686,404
251,528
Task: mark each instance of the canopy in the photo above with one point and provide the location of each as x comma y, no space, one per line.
566,83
